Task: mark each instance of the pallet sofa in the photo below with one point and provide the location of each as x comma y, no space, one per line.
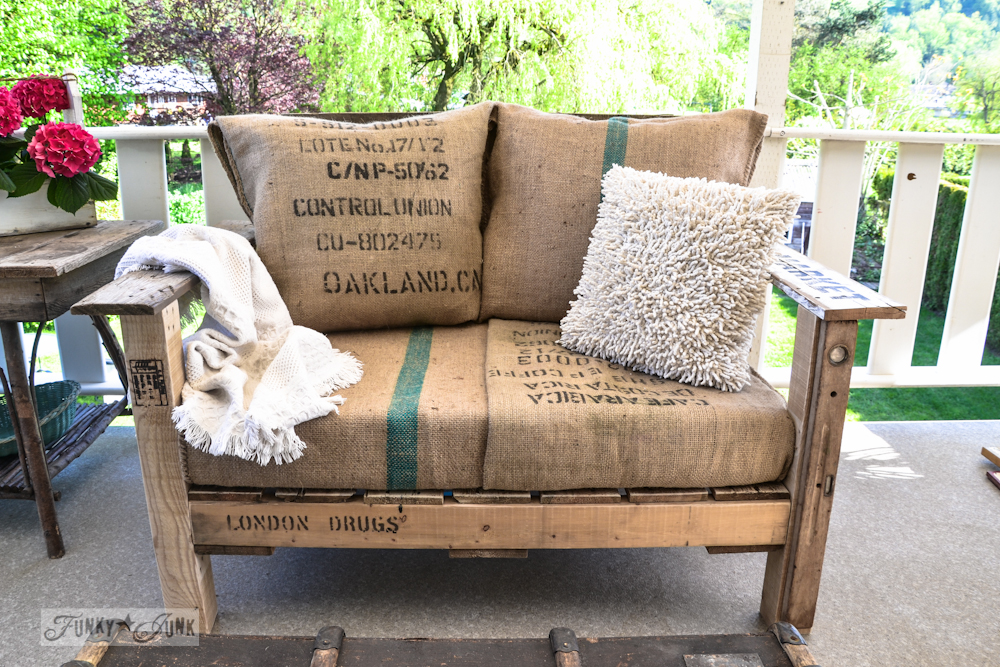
480,484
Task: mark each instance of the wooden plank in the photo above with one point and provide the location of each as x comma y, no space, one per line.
62,292
666,495
222,550
907,243
580,497
976,264
142,179
327,495
453,525
800,396
481,497
835,211
210,493
828,294
52,254
153,351
993,454
791,581
487,553
404,498
137,293
758,548
994,477
771,491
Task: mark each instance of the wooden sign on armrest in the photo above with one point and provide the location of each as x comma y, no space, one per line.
828,294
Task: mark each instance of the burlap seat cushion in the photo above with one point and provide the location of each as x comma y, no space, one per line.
417,420
365,226
562,420
545,183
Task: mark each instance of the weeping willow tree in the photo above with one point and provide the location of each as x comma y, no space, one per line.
567,55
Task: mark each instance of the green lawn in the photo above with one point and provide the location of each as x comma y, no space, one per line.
892,404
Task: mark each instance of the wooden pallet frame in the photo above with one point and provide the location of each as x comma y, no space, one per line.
189,524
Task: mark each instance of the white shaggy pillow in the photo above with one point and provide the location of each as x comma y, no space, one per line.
676,274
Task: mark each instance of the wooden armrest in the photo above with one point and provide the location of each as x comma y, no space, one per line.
242,227
137,293
827,294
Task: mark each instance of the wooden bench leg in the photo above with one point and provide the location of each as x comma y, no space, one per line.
156,375
818,393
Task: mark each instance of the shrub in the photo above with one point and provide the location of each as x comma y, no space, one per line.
187,205
952,195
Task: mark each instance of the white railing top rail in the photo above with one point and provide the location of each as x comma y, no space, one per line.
172,132
882,135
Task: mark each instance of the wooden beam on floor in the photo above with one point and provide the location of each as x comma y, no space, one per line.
992,454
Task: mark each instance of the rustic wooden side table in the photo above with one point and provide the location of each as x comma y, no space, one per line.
41,276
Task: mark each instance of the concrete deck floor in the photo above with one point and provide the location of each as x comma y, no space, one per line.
912,574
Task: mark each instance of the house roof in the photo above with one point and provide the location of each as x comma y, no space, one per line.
165,79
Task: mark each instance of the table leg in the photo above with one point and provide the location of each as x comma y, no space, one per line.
34,450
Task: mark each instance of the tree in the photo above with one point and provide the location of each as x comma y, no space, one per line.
555,55
979,84
247,48
39,37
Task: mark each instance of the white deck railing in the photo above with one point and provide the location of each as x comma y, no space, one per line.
143,182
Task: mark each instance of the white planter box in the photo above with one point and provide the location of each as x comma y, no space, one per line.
33,213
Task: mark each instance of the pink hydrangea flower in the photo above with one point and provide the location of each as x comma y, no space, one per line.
39,96
10,113
63,148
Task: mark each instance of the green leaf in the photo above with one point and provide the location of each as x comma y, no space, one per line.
6,183
9,147
69,194
29,132
27,179
102,189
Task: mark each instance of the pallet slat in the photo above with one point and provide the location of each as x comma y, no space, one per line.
666,495
580,497
772,491
404,497
480,497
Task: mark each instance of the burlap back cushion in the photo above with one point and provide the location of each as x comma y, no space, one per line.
545,179
562,420
365,226
676,275
417,420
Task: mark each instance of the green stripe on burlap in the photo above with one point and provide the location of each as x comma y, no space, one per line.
615,143
401,421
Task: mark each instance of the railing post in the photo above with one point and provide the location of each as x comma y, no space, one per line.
835,212
908,240
976,266
142,179
220,199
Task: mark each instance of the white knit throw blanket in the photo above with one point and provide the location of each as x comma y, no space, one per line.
251,374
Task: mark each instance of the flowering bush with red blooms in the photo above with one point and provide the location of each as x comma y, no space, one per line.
63,148
38,96
62,152
10,113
